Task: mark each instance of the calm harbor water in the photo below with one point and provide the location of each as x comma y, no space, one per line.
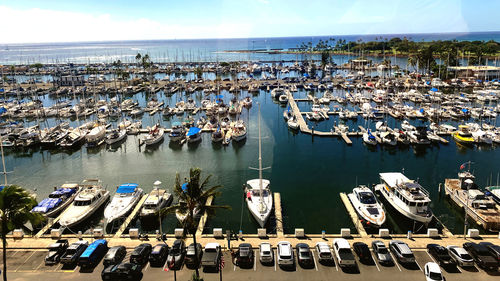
308,172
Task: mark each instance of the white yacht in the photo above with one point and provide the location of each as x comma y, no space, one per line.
157,199
239,131
368,138
366,205
126,197
258,194
155,135
89,199
96,136
293,123
408,197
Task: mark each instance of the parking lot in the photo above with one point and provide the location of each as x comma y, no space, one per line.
29,264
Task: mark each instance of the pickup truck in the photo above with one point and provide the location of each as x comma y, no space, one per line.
211,255
73,252
481,256
343,253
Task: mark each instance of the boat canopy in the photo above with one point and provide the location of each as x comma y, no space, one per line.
46,205
63,191
193,131
127,188
392,179
91,248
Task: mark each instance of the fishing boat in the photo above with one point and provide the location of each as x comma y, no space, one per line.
157,199
366,205
87,202
406,196
155,135
115,136
193,135
96,136
125,199
466,194
463,135
58,200
258,193
177,133
239,131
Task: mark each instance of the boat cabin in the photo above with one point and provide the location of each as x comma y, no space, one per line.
464,183
408,191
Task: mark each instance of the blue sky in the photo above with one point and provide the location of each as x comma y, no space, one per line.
96,20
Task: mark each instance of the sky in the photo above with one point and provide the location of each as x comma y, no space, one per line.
39,21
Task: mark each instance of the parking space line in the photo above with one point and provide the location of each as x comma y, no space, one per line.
418,265
32,253
334,260
395,261
375,261
275,258
431,257
254,262
146,267
314,259
40,265
15,253
458,267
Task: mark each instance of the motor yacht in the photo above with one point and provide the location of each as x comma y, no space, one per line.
125,199
366,205
58,200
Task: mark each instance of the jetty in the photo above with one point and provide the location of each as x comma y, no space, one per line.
354,216
49,224
131,216
203,219
278,214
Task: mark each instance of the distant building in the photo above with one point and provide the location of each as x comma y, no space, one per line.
70,80
483,72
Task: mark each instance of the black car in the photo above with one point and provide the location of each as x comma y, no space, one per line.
304,255
56,250
245,255
158,255
481,256
114,256
141,253
363,252
176,255
441,255
74,251
190,260
494,249
122,271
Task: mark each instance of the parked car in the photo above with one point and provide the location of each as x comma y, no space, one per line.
93,254
433,272
56,250
324,252
266,253
141,253
461,256
158,255
363,252
481,256
343,252
381,252
285,254
73,252
401,251
114,256
211,255
122,271
191,260
176,254
304,255
245,255
441,255
494,249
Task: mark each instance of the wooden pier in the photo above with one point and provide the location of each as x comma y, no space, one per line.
278,215
49,225
354,216
131,216
203,219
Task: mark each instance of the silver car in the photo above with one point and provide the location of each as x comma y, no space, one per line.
266,253
285,254
381,252
460,255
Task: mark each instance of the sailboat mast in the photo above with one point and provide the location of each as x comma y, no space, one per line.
260,161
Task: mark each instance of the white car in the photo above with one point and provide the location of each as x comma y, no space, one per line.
324,252
266,253
433,272
285,254
460,255
343,253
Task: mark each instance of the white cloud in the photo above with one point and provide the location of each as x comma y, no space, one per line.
41,25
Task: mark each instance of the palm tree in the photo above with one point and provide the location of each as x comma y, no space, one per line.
193,194
15,210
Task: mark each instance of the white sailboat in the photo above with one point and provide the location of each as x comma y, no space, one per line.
126,197
258,194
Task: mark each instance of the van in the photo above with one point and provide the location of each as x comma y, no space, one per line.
93,254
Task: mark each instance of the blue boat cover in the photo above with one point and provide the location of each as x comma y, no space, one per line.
46,205
434,89
64,191
91,248
193,131
184,187
127,188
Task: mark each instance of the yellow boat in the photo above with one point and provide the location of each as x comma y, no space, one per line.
463,135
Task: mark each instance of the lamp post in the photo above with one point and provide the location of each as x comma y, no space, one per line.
157,188
469,182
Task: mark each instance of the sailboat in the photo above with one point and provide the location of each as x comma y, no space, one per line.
258,194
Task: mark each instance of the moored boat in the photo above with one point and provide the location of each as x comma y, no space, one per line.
126,197
58,200
366,205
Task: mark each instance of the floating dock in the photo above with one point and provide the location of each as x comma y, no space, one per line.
203,219
49,224
354,216
278,215
131,216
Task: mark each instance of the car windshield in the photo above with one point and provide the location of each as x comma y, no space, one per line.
382,250
285,257
305,254
408,255
266,253
466,257
435,276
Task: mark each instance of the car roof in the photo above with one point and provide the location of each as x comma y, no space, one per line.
265,246
433,267
212,245
402,246
342,243
284,248
302,245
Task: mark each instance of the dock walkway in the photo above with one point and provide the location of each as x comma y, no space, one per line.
203,219
352,213
278,215
49,225
132,215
